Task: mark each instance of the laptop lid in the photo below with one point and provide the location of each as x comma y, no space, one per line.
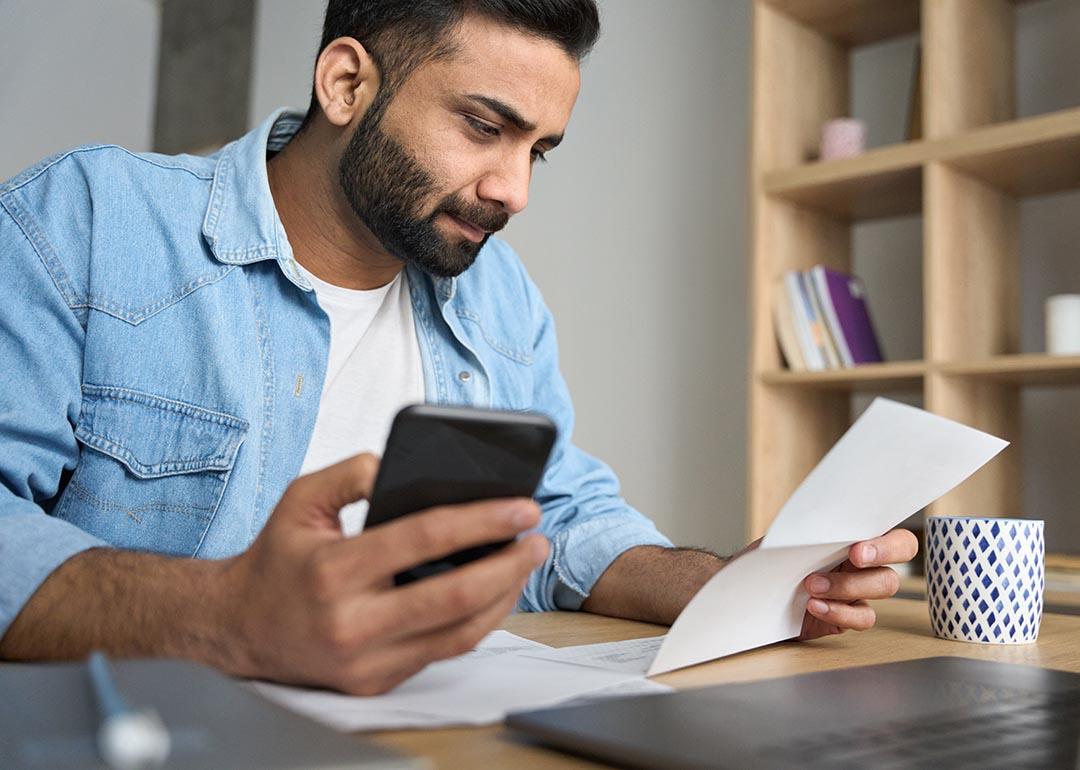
918,713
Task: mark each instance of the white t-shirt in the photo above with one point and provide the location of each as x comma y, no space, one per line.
373,370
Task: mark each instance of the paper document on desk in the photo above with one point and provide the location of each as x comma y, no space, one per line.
894,461
477,688
631,656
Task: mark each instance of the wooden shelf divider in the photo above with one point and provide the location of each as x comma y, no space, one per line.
857,22
1028,369
854,22
898,375
1020,157
1023,369
882,182
1034,156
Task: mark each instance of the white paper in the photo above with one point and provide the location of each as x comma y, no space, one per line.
630,687
501,642
631,656
477,688
350,713
894,461
754,600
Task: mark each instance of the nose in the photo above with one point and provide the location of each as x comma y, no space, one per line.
508,184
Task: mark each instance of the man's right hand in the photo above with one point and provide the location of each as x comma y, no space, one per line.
310,606
303,604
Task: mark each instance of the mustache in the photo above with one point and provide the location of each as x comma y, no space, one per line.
487,219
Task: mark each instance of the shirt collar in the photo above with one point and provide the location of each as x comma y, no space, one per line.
242,224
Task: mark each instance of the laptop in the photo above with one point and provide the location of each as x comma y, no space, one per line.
49,721
930,713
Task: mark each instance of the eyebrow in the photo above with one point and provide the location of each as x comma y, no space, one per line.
512,116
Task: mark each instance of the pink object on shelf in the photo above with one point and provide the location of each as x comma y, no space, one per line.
842,138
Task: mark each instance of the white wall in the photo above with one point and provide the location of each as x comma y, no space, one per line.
73,72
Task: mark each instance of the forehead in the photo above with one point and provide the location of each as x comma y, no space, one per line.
533,75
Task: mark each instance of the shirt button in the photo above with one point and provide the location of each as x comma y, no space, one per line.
464,376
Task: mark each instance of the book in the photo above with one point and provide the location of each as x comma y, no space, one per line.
784,320
819,278
820,327
800,308
844,305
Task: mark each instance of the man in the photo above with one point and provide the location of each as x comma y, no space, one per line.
185,335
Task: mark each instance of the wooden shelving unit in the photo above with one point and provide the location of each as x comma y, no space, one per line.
965,177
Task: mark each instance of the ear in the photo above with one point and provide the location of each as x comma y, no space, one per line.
346,80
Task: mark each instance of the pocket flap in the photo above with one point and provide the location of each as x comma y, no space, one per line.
155,436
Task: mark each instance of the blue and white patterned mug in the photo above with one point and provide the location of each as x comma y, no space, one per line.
985,578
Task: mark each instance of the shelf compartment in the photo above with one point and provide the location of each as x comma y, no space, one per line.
879,183
893,375
854,22
1023,157
1021,369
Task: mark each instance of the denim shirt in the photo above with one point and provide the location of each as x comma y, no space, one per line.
163,358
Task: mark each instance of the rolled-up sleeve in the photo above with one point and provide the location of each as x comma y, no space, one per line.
41,344
584,516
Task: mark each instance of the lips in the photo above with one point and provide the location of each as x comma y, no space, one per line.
471,231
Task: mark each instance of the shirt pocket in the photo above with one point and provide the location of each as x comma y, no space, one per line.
507,362
511,384
151,470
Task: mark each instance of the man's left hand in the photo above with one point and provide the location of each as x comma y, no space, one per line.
838,599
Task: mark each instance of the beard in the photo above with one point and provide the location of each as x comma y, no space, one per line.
387,188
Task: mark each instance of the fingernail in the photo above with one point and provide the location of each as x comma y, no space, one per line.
869,553
819,585
539,549
817,607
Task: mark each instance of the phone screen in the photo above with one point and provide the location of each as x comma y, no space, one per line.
451,455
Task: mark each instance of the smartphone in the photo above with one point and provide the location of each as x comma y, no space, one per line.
441,455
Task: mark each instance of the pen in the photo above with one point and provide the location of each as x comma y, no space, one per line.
127,739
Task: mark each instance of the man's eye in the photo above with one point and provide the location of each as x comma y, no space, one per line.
538,155
481,127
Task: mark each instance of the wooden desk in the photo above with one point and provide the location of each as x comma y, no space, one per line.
902,633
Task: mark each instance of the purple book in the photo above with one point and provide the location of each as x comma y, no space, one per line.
843,299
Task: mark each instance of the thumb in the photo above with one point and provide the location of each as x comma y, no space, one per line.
329,490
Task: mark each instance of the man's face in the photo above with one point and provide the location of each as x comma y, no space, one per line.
448,159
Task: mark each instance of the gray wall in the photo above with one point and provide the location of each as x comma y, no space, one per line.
73,72
636,230
635,233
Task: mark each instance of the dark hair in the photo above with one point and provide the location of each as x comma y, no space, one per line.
402,34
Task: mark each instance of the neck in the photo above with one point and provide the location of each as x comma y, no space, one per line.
326,236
